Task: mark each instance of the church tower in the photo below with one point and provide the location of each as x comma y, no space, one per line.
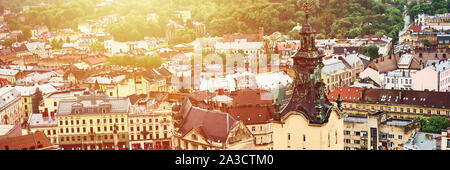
308,95
308,121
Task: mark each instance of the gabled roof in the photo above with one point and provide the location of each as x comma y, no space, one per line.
215,125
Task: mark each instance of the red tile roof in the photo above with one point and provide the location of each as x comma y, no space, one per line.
252,114
93,60
252,97
348,94
415,28
29,142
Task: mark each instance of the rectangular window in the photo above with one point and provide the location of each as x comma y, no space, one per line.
346,132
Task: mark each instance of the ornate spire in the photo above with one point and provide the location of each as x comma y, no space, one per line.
306,7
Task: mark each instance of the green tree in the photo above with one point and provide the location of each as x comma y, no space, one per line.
183,36
435,124
371,51
425,42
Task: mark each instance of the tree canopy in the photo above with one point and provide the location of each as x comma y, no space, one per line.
433,8
148,62
331,18
371,51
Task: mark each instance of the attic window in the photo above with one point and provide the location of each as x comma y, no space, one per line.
259,115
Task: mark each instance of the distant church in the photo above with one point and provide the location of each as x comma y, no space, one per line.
308,121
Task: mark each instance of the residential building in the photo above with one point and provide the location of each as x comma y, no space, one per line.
150,125
335,74
443,140
51,101
10,106
398,103
45,123
377,131
203,129
443,43
9,74
27,94
93,122
434,77
397,79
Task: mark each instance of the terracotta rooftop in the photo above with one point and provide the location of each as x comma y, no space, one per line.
396,97
252,114
33,141
348,94
415,28
252,97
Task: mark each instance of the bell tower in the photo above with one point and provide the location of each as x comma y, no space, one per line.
308,95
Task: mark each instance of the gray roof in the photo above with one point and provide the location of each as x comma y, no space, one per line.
355,119
332,65
421,141
353,58
7,96
36,120
118,105
398,122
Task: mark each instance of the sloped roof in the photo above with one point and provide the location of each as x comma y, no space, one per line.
26,141
415,28
215,125
21,48
252,114
252,97
409,97
348,94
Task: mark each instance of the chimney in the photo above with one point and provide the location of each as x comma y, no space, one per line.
44,114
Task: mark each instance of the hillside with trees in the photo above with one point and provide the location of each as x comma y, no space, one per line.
433,8
331,18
